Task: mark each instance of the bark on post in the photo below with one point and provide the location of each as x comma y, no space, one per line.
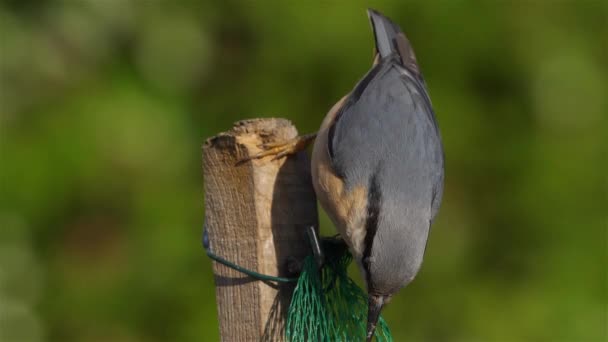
256,214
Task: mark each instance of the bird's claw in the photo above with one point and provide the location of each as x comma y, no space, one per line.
276,150
281,149
271,145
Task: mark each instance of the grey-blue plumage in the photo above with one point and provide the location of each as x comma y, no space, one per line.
385,138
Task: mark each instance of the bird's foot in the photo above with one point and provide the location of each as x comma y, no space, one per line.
283,148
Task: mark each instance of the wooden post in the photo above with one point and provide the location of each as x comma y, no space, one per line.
256,214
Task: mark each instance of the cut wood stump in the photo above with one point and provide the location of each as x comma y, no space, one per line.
256,214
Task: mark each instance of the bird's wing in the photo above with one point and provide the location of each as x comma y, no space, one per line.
387,125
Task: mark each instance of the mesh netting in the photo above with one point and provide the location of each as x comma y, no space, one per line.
328,305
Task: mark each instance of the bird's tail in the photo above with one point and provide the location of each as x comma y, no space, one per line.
373,313
391,41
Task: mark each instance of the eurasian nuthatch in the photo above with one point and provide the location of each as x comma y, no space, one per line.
377,167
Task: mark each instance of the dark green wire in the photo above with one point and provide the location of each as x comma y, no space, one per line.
250,273
241,269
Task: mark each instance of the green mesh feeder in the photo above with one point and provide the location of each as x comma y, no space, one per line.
327,305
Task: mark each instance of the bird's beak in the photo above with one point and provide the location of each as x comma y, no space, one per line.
373,313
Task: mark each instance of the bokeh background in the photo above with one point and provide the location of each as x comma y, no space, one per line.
104,105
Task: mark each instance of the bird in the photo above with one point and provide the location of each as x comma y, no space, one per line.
378,167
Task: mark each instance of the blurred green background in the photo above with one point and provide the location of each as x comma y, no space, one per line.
104,105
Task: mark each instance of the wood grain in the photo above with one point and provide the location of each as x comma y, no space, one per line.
255,213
